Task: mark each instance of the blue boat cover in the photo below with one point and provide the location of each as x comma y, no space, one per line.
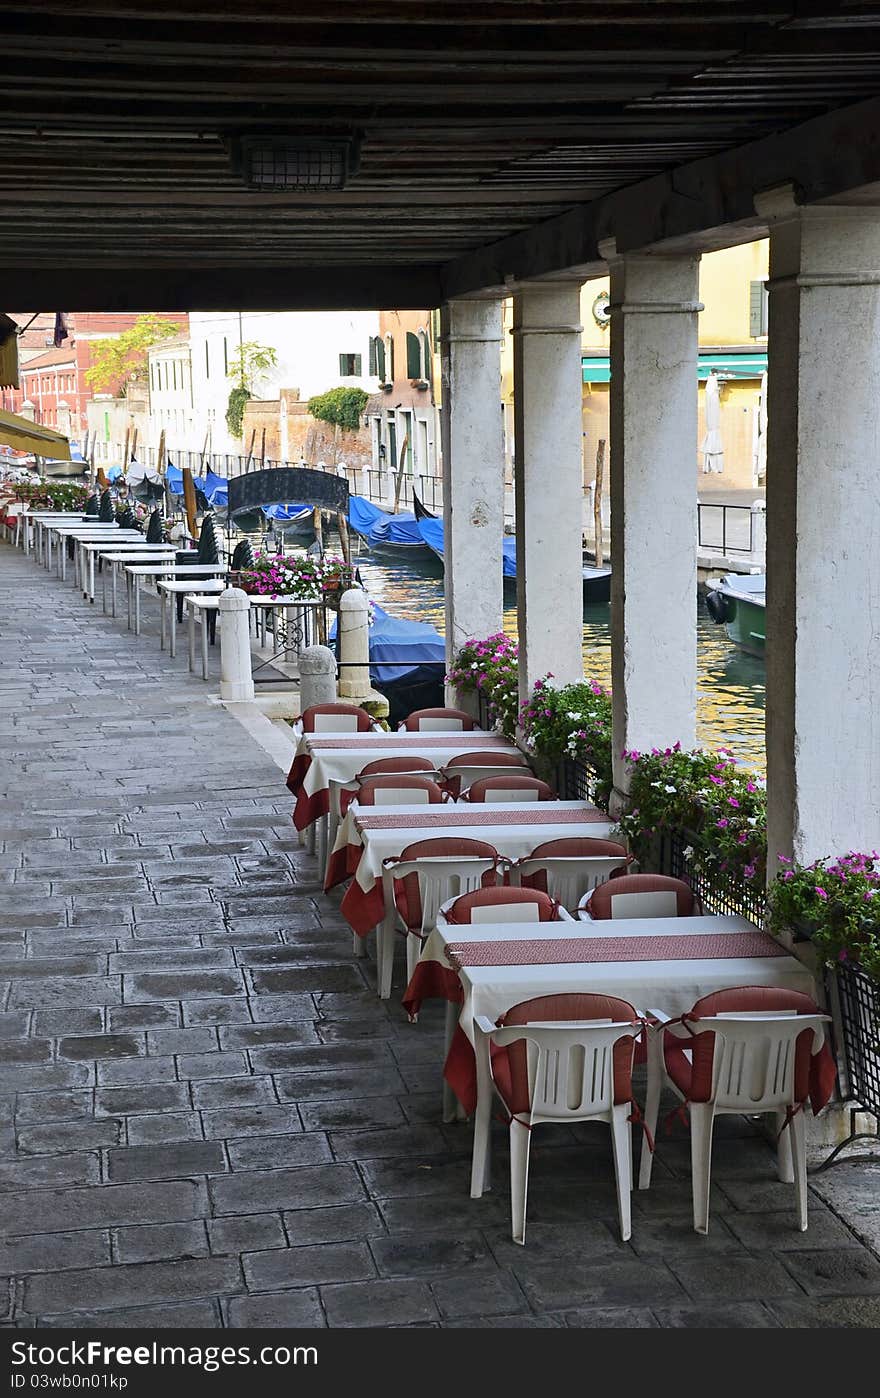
215,490
174,477
431,531
400,645
288,512
363,514
114,472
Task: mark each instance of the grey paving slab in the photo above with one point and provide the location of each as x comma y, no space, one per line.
207,1117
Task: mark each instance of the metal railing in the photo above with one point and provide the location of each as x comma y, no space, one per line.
727,528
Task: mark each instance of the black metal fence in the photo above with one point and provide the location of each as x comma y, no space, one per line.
859,1003
729,528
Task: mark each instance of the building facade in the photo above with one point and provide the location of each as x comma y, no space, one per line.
403,413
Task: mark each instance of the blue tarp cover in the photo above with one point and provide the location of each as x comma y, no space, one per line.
215,490
363,514
288,512
174,477
431,531
409,643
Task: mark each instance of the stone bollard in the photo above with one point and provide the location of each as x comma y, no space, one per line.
354,645
236,679
317,676
759,532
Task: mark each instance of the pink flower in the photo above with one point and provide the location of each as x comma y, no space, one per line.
821,892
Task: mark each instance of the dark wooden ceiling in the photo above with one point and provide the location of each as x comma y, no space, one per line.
479,120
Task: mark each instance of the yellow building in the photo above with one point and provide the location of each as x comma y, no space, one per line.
733,343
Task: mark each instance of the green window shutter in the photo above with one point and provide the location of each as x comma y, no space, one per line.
373,357
389,359
380,358
342,366
357,362
413,356
757,309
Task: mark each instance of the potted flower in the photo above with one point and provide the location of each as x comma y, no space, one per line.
489,669
706,799
276,575
833,903
337,577
572,723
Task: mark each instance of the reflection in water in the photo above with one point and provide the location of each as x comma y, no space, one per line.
730,705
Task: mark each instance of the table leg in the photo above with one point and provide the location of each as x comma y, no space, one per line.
172,618
191,624
91,577
63,551
204,644
135,582
161,620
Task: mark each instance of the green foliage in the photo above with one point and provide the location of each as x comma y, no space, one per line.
342,407
489,667
238,401
837,903
703,793
250,362
114,362
573,722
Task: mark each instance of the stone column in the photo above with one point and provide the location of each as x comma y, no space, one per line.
473,470
653,434
823,529
548,471
354,646
236,679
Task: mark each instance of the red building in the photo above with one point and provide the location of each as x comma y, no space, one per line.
53,381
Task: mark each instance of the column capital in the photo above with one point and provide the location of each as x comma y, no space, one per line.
519,330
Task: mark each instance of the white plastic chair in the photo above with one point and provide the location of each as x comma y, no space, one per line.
440,878
752,1068
568,878
570,1066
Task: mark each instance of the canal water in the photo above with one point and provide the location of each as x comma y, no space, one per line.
730,705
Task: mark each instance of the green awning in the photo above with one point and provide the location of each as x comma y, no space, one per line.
597,368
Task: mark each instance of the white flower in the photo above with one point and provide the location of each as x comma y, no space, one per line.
574,716
753,820
688,852
670,788
657,784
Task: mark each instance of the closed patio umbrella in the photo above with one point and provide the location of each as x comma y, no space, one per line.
712,446
759,453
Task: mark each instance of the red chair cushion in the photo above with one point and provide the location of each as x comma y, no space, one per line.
477,790
599,905
572,847
364,722
381,767
411,722
462,908
366,792
510,1064
693,1075
407,895
481,759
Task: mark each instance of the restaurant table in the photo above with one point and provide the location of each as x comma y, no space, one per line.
201,608
368,835
36,521
90,549
87,532
127,553
135,572
169,591
321,757
654,963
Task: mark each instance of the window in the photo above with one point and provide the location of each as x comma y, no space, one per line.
758,308
377,357
225,357
350,366
389,358
418,357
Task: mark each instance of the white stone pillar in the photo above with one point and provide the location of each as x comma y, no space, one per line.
823,529
547,391
354,645
653,436
317,676
473,470
236,679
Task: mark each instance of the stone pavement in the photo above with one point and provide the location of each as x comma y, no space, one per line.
208,1118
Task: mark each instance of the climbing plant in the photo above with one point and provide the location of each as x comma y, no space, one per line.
247,366
342,407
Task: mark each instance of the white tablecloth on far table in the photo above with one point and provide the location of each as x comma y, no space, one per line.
321,757
514,829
